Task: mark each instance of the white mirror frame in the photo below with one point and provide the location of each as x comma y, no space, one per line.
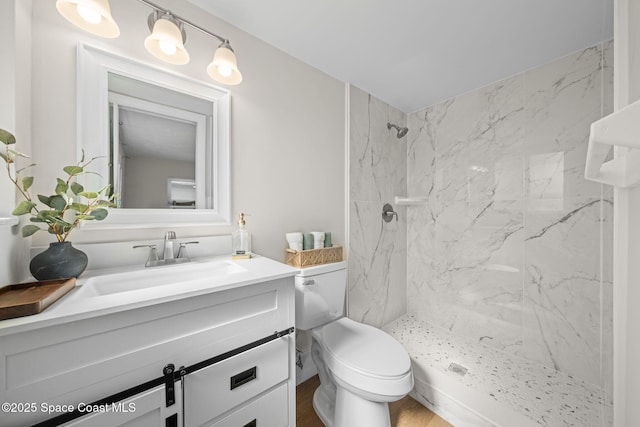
93,137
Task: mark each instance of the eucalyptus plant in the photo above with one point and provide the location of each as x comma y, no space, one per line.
62,211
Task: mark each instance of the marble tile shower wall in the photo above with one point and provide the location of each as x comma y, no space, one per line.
513,248
377,173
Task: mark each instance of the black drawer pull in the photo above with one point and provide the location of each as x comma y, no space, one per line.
243,377
171,421
252,423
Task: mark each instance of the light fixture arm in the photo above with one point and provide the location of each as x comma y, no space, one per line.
167,38
182,20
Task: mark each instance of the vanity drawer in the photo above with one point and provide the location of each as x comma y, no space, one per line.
214,390
270,410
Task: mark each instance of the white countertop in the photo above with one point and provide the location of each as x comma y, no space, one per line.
80,304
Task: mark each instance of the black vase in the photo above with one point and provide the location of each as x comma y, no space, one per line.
59,261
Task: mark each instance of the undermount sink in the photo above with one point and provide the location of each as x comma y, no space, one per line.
155,277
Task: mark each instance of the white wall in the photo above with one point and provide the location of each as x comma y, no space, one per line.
626,292
287,130
149,177
377,174
15,51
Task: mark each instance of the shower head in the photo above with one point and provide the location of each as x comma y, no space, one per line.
401,130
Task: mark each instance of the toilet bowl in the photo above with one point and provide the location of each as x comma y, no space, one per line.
361,368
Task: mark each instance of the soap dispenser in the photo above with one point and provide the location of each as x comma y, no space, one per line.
241,241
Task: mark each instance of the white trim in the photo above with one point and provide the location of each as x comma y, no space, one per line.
9,221
347,183
626,239
92,128
620,285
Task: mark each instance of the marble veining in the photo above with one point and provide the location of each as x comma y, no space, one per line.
512,249
377,250
562,280
546,396
512,254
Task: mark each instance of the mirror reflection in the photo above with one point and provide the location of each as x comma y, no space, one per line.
166,137
156,136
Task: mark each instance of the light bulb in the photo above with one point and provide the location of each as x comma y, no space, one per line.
89,15
225,70
167,47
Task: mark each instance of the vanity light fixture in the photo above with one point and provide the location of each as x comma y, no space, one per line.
93,16
167,38
224,67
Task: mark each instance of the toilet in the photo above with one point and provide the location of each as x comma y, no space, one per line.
361,368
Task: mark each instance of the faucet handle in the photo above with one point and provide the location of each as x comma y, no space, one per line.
153,254
182,250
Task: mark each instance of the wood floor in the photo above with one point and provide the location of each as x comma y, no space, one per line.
406,412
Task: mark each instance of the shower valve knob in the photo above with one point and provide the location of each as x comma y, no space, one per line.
388,213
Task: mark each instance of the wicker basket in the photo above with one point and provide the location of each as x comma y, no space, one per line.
313,256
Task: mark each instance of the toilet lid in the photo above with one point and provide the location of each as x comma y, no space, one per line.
365,349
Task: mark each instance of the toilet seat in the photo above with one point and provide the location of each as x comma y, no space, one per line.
365,359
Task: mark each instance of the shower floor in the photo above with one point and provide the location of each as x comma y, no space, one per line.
498,388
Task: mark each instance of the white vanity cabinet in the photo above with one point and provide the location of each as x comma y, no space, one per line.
213,391
236,347
146,409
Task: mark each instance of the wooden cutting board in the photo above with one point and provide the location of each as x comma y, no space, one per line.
24,299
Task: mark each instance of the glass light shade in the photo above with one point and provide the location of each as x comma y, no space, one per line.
93,16
166,37
224,67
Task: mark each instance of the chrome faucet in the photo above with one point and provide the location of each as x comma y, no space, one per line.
168,252
152,260
182,251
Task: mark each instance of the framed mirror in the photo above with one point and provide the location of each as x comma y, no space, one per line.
162,139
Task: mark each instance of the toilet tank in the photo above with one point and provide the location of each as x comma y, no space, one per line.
320,294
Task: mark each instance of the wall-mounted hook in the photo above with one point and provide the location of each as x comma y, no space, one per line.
388,213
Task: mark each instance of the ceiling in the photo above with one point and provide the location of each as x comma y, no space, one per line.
416,53
150,135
